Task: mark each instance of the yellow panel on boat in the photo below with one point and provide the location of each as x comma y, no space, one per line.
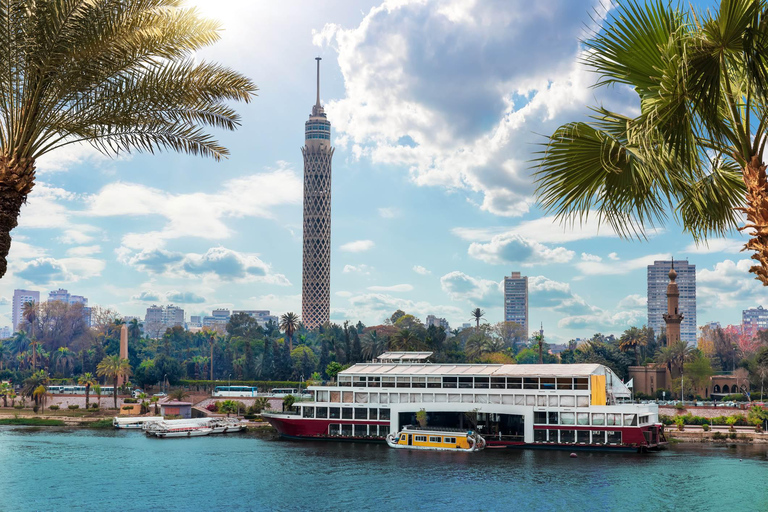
597,383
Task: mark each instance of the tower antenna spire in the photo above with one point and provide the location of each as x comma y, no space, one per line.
318,59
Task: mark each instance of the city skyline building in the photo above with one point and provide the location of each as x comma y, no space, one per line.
516,300
316,258
658,281
754,320
262,316
20,297
437,322
160,318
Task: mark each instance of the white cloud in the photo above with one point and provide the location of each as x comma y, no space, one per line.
590,257
634,301
612,322
46,270
404,106
376,307
613,256
217,263
357,246
84,250
481,292
197,214
593,268
362,269
544,230
393,288
727,245
504,249
389,213
421,270
69,156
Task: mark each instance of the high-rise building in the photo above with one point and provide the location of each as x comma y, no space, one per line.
658,280
262,316
21,297
753,320
316,272
62,295
159,318
516,300
437,322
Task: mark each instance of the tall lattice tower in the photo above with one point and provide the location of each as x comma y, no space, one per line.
316,275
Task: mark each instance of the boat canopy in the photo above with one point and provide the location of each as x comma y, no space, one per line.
403,357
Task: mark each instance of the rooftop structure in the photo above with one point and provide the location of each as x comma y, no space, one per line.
316,272
403,357
673,318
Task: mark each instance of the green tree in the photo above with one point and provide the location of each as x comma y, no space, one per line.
695,150
631,340
477,314
32,383
118,74
698,371
333,369
304,361
289,323
87,380
114,368
178,394
288,402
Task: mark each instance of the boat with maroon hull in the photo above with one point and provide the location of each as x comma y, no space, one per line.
569,406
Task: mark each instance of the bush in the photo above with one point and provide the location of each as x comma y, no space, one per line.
130,401
127,407
732,435
95,406
737,397
54,407
72,407
213,406
705,427
718,435
18,406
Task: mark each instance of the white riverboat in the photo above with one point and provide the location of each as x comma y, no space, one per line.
135,422
206,425
420,438
567,406
184,431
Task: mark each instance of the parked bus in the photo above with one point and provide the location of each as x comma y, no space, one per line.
77,390
282,392
235,391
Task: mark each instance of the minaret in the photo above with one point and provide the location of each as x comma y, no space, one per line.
316,274
123,349
672,317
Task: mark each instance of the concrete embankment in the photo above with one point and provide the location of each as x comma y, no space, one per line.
697,435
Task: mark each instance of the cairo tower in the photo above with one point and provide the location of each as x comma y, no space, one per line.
316,274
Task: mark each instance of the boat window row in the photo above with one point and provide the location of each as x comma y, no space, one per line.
585,418
465,382
345,413
577,436
341,430
357,397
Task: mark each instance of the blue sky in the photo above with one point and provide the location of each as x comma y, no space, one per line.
436,107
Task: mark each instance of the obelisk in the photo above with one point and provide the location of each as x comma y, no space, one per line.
123,349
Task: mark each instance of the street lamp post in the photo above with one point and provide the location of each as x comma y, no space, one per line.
165,388
230,381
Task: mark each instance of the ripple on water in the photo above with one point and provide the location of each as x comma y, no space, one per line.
65,469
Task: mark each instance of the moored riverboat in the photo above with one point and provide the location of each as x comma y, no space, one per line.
135,422
206,425
414,438
183,431
576,406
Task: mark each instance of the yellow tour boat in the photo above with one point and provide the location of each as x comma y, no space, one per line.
415,438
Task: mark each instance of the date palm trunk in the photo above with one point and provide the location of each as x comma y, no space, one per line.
17,177
757,216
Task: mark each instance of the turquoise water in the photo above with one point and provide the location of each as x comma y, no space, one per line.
61,469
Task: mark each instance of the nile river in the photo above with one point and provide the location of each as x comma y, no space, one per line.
63,469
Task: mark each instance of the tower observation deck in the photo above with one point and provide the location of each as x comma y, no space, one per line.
316,272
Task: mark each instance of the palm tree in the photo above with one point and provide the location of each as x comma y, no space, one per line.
477,314
118,74
178,395
97,392
114,368
405,339
695,151
134,329
631,340
32,383
87,380
289,322
40,395
373,345
5,391
29,310
63,359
